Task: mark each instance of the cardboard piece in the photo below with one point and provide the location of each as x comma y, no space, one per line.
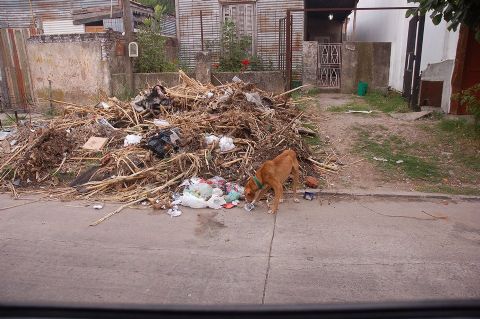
95,143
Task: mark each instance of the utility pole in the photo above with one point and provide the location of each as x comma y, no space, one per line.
128,27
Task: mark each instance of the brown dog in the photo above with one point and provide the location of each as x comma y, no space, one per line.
272,174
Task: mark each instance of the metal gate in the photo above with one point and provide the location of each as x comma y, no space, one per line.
15,84
329,65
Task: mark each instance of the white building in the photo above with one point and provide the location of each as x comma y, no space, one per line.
439,47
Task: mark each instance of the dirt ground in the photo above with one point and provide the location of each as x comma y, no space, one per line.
340,133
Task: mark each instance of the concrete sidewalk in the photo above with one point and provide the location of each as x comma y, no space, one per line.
314,252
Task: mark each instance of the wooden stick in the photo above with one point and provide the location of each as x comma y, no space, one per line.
293,90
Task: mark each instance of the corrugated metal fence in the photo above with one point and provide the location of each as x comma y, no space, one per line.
16,85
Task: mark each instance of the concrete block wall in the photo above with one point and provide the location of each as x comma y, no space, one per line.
365,61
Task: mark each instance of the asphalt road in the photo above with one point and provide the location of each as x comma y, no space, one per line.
329,251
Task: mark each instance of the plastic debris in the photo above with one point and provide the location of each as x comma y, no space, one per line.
132,139
309,196
254,98
152,100
163,142
226,144
174,211
399,162
102,121
209,139
103,105
161,123
216,202
380,159
236,79
97,206
249,207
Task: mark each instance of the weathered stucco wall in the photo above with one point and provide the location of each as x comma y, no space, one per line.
142,81
77,64
365,61
270,81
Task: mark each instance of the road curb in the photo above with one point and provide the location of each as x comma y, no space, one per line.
406,195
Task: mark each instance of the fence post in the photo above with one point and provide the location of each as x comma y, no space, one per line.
310,62
203,67
288,55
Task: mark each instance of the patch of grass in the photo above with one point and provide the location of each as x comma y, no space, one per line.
391,102
446,189
461,128
125,94
312,140
394,148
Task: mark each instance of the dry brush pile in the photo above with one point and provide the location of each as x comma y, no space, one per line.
49,156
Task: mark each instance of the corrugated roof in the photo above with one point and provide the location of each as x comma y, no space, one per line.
17,14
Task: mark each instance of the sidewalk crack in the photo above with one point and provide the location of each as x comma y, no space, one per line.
269,257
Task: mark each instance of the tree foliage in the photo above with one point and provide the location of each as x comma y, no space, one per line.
169,5
151,45
454,12
471,99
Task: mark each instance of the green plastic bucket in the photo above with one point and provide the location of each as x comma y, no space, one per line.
362,88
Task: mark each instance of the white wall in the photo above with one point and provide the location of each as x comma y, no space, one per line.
392,26
62,27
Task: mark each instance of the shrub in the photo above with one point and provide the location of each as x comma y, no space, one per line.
151,45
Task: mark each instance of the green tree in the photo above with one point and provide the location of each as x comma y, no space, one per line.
169,5
151,45
454,12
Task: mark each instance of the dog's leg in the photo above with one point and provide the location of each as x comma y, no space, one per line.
296,174
278,189
260,193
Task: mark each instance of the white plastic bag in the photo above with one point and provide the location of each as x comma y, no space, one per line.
210,138
216,202
190,200
132,139
226,144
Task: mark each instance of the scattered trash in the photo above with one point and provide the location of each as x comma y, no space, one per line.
236,79
380,159
399,162
103,105
249,207
132,139
226,144
311,182
97,206
152,100
163,142
306,131
354,111
174,211
229,205
309,196
95,143
49,153
254,98
209,139
161,123
5,134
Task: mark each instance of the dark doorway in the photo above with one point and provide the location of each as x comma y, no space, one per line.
326,27
431,93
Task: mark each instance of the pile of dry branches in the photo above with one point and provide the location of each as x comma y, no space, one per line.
49,153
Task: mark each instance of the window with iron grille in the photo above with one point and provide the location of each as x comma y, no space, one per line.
243,14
